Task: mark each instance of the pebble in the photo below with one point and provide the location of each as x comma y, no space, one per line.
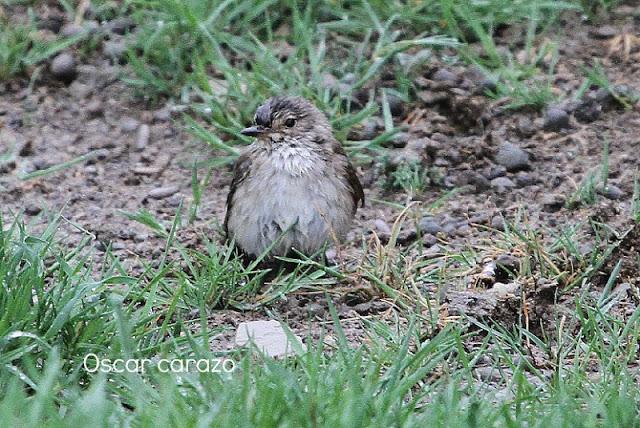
444,75
553,202
497,223
610,192
524,179
512,157
129,124
526,127
396,105
382,227
487,374
588,111
163,192
367,131
95,108
63,67
142,139
476,179
428,226
80,91
503,290
488,85
315,309
604,32
494,171
121,25
507,265
502,184
71,29
115,48
162,115
268,336
32,209
400,140
555,119
431,98
141,237
429,240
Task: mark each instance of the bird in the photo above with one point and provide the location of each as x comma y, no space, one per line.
294,188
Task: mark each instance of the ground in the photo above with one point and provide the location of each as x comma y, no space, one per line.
477,215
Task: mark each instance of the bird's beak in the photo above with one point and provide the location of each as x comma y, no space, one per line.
253,131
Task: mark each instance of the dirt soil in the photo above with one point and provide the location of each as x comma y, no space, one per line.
141,158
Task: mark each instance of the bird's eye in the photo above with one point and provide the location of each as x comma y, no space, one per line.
289,123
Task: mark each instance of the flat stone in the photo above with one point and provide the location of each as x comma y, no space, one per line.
163,192
268,336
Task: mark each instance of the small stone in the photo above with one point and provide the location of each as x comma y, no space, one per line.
504,290
524,179
555,119
162,115
512,157
71,29
396,105
429,240
553,202
26,149
494,171
497,223
51,23
63,67
121,25
526,127
381,227
163,192
367,131
400,140
141,237
444,75
268,336
95,108
588,111
363,308
129,124
487,374
476,179
428,226
115,48
507,266
142,139
32,209
502,184
6,167
430,98
315,309
80,91
604,32
610,192
488,85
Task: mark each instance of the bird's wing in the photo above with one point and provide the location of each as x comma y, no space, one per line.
355,188
240,173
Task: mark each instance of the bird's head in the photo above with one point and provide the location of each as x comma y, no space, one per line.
282,118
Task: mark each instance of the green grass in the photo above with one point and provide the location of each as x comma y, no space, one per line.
22,49
54,314
417,367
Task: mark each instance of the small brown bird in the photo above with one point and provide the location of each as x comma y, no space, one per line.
294,187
